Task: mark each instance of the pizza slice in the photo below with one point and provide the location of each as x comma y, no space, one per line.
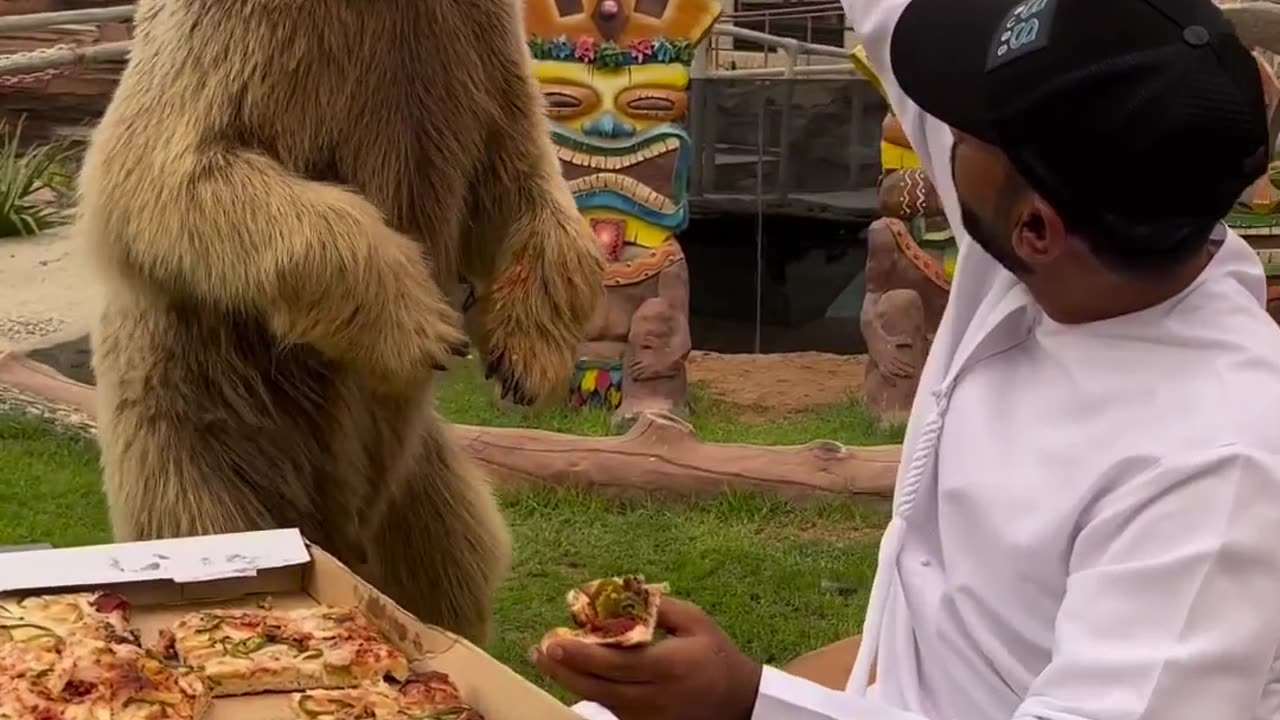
253,651
424,696
92,680
621,611
52,619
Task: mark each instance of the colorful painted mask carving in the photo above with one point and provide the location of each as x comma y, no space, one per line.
906,193
615,75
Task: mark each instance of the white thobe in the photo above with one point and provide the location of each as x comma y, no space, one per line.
1087,518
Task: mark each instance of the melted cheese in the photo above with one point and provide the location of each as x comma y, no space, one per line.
315,647
67,615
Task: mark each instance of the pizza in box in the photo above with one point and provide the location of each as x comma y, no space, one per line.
75,656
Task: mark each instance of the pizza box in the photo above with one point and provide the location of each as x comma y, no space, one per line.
164,579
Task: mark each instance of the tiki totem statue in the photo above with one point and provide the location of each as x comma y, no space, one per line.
910,257
615,75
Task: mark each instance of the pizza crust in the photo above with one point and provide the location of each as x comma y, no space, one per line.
424,696
229,685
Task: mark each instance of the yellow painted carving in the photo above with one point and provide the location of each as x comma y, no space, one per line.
618,130
893,156
613,90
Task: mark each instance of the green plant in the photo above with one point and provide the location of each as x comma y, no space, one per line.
24,177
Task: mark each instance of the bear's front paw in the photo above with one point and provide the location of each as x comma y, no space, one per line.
533,325
414,348
502,368
438,340
529,365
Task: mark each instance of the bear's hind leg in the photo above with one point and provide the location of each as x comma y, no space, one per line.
170,478
438,544
151,500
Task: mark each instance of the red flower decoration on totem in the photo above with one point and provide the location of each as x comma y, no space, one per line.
641,49
585,49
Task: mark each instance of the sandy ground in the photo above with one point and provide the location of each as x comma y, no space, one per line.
47,297
784,382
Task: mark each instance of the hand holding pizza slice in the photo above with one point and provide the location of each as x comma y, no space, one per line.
619,611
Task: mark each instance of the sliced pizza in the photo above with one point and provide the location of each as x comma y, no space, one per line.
253,651
424,696
91,680
52,619
621,611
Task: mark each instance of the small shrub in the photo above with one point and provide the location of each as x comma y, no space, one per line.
24,177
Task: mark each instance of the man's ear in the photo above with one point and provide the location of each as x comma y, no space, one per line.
1039,235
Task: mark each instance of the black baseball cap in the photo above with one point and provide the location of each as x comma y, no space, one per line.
1131,117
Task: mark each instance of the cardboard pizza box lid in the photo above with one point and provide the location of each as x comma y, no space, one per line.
165,579
183,560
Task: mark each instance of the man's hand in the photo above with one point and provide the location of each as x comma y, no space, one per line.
695,673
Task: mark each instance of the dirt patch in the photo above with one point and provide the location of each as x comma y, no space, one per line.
785,383
47,291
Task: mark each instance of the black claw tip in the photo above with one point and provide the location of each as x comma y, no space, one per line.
494,367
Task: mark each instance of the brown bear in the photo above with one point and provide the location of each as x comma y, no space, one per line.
279,197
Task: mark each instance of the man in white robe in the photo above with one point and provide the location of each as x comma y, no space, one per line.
1087,518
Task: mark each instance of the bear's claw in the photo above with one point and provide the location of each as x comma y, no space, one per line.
512,388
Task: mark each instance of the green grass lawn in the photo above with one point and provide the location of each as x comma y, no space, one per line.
465,397
765,568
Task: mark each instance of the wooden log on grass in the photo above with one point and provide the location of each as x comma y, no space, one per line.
34,389
660,455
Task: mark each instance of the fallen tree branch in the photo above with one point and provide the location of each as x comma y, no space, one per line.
662,455
659,455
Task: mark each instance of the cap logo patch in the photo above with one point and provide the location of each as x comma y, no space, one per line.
1024,30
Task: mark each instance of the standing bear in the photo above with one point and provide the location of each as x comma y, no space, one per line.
278,199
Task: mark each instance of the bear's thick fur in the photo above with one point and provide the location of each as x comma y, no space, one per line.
278,197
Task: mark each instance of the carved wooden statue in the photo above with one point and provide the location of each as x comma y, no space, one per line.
1256,216
910,256
911,251
615,74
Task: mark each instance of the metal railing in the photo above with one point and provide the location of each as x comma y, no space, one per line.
815,23
44,63
39,21
793,51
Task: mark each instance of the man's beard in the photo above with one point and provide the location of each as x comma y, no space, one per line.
992,240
